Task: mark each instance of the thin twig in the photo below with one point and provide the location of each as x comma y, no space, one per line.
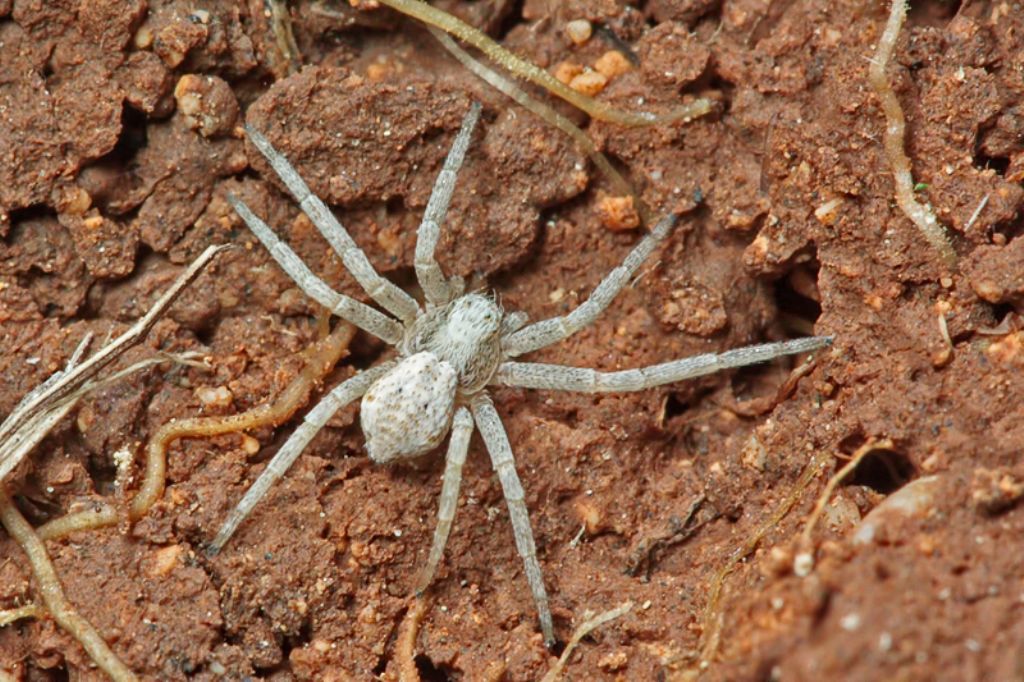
863,451
27,611
977,213
41,409
546,113
589,624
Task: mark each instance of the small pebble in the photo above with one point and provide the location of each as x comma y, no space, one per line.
613,661
214,397
612,63
618,214
803,564
589,83
250,445
566,71
579,31
828,212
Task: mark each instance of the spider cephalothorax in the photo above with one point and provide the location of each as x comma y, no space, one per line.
463,333
450,350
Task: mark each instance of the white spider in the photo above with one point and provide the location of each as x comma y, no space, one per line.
450,350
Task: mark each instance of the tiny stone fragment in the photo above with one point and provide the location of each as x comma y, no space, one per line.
566,71
995,490
579,31
207,104
612,63
618,214
589,83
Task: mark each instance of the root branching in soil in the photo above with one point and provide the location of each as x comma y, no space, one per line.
713,613
27,611
52,594
43,407
589,624
895,128
804,560
28,424
523,69
545,113
319,360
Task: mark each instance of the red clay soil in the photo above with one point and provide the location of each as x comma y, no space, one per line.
120,137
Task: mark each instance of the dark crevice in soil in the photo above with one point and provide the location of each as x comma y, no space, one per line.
797,297
512,19
607,34
932,13
21,215
429,672
1010,230
676,406
999,164
1000,311
364,351
756,381
884,471
134,136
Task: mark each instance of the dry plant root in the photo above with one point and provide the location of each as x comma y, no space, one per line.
863,451
520,67
52,593
712,619
284,37
320,359
548,114
28,424
405,643
895,128
44,406
589,624
27,611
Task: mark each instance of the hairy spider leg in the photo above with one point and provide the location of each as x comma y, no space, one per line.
586,380
361,315
500,451
384,292
312,424
552,330
432,280
458,447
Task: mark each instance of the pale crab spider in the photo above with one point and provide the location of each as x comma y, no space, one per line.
450,350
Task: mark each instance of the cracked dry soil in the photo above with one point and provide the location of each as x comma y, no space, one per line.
120,137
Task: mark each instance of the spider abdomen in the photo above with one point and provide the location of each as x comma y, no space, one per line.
408,411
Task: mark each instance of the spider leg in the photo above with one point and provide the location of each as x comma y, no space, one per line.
498,448
385,293
428,272
552,330
359,314
312,423
458,446
563,378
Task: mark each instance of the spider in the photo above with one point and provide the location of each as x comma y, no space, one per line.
449,351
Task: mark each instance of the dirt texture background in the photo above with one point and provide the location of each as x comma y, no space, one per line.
120,137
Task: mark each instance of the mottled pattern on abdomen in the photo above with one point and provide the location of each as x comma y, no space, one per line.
408,411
